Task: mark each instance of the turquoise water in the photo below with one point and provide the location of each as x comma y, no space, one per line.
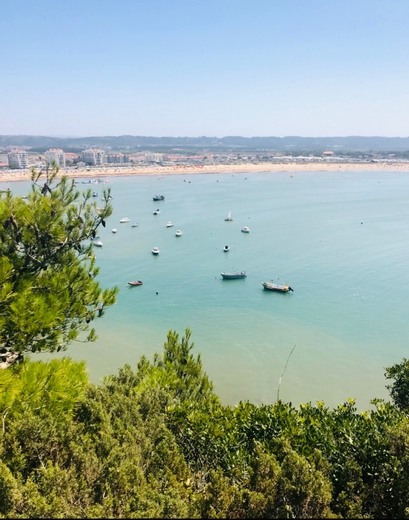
341,240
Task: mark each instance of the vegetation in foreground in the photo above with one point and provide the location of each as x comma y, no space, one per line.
155,441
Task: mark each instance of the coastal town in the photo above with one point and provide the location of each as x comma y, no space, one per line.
17,162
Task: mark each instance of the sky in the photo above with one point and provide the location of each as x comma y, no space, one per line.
190,68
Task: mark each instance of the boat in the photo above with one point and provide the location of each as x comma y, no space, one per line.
178,233
135,282
229,217
234,276
271,286
125,219
156,212
155,250
114,230
98,243
158,197
226,248
94,194
169,224
245,229
135,225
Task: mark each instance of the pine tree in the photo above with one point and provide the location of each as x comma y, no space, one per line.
49,293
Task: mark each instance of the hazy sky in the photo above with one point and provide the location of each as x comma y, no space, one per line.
204,67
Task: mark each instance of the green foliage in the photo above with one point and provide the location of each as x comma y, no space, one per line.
55,386
48,288
156,442
399,389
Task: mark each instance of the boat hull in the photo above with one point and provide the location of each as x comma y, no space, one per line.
233,276
268,286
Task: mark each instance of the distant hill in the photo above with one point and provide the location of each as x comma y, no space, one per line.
229,143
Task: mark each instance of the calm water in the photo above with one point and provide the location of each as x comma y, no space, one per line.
341,240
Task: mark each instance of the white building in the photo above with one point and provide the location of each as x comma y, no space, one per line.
117,158
18,159
55,155
151,157
93,157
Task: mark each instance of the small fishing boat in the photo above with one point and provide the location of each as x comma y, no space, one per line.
245,229
158,197
178,233
156,212
134,283
114,230
135,225
234,276
271,286
155,250
226,248
125,219
169,224
98,243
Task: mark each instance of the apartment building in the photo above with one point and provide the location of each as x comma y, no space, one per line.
93,157
55,155
18,159
117,158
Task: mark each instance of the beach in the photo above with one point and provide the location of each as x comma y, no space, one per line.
285,166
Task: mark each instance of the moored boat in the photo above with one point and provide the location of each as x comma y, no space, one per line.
245,229
271,286
158,197
125,219
134,283
178,233
97,243
229,218
236,275
155,250
226,248
169,224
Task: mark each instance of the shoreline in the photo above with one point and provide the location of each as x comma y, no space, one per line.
290,167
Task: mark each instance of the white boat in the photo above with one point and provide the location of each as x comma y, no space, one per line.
135,225
245,229
178,233
125,219
234,275
226,248
169,224
98,243
229,217
155,250
114,230
156,212
271,286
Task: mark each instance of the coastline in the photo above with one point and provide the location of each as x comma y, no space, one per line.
287,166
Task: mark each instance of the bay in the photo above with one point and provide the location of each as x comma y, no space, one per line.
341,240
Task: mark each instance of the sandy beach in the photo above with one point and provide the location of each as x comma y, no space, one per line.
288,166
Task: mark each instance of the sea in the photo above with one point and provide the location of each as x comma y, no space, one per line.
339,239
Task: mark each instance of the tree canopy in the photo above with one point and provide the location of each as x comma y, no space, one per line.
49,292
155,441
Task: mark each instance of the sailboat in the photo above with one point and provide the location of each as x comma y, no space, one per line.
229,217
